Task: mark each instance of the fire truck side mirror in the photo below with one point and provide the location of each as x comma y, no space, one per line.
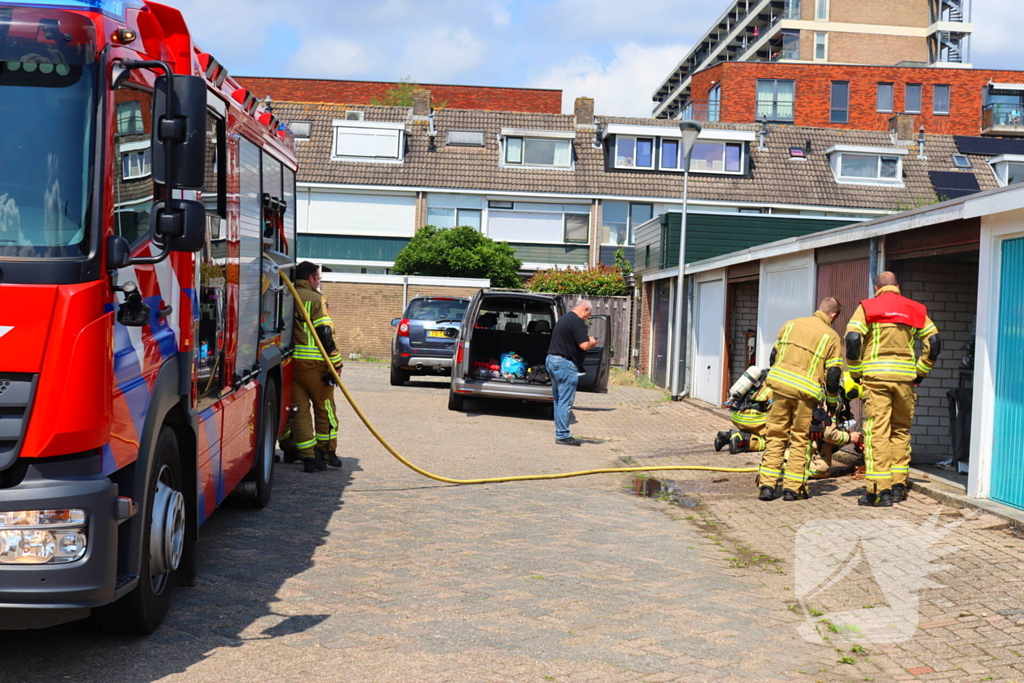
180,133
181,224
119,252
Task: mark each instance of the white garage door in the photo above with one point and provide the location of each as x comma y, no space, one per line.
786,292
710,332
334,213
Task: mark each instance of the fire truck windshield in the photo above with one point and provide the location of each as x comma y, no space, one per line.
48,90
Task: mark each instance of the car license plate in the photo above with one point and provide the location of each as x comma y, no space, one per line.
435,333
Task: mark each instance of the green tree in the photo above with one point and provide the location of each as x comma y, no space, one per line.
398,96
622,263
459,252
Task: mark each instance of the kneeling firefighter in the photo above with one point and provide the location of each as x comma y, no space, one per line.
315,439
834,434
749,399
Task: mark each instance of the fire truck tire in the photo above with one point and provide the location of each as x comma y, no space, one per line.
398,377
260,482
143,610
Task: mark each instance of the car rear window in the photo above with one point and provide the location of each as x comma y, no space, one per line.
436,309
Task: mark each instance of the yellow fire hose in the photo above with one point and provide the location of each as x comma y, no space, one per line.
493,480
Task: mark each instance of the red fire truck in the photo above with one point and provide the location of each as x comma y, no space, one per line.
146,207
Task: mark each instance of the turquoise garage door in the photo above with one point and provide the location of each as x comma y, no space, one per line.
1007,454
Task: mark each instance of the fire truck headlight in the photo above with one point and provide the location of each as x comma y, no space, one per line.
42,536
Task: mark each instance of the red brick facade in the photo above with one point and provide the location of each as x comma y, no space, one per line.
361,92
813,93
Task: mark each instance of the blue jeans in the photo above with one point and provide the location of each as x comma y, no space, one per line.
564,378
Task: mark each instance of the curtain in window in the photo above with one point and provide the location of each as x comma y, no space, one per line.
441,217
470,217
784,95
765,99
563,153
514,150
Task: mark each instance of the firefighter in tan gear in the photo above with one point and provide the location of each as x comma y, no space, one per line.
880,341
806,368
840,432
315,439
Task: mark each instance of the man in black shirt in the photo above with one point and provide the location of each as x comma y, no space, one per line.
570,341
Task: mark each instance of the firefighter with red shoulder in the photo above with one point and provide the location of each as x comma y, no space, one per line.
315,439
880,340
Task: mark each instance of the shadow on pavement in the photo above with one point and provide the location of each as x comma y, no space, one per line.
245,558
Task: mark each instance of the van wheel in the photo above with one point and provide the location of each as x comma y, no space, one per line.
163,545
398,377
260,483
455,402
548,411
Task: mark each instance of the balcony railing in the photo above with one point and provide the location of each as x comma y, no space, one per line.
1005,119
774,110
704,111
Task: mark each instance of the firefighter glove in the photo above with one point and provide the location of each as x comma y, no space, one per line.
819,420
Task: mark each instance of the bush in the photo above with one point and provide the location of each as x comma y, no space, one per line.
600,281
459,252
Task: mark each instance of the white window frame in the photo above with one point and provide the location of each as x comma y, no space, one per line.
949,99
394,129
132,113
525,137
835,155
1001,165
820,40
655,148
821,10
535,208
724,143
143,148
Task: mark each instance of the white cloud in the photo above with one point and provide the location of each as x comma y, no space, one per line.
500,15
998,25
330,58
441,52
623,87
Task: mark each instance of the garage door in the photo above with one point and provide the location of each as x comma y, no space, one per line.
1007,457
787,292
710,332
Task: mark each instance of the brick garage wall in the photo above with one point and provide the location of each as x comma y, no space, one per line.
646,300
362,313
742,317
950,291
813,93
361,92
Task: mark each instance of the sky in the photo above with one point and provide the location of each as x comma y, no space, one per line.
616,51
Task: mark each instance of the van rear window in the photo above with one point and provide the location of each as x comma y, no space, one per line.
436,309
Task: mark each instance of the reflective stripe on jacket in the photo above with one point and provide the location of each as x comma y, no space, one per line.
805,351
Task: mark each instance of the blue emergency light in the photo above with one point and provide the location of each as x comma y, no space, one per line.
112,8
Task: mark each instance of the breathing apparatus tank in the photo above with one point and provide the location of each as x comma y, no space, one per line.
746,382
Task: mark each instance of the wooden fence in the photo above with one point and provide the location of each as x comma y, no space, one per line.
620,310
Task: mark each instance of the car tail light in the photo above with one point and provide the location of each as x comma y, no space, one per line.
459,355
403,327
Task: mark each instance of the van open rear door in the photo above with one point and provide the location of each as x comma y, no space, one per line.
597,364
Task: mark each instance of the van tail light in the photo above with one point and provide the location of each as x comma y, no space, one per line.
403,327
461,353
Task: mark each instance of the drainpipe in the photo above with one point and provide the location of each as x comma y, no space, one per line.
687,363
872,265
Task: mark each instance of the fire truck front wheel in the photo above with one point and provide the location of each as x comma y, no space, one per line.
257,487
143,610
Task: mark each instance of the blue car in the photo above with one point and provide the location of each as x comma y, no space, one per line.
424,342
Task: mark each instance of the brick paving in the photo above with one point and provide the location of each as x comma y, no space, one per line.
376,574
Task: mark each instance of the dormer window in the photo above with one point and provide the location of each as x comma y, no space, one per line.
537,149
867,165
660,148
716,157
368,141
1009,168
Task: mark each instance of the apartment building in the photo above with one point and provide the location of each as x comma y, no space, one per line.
933,33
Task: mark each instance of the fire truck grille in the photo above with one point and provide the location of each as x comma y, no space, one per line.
16,392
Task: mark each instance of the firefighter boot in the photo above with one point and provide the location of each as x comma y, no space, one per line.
721,440
899,493
739,442
880,500
767,493
313,465
290,455
790,496
329,457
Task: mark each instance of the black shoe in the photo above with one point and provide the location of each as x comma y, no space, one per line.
881,500
788,495
290,455
738,443
312,465
568,441
767,493
721,440
899,493
330,458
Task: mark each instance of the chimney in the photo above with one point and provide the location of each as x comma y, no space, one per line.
584,111
421,103
901,127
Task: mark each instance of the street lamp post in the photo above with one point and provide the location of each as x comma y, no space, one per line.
689,130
